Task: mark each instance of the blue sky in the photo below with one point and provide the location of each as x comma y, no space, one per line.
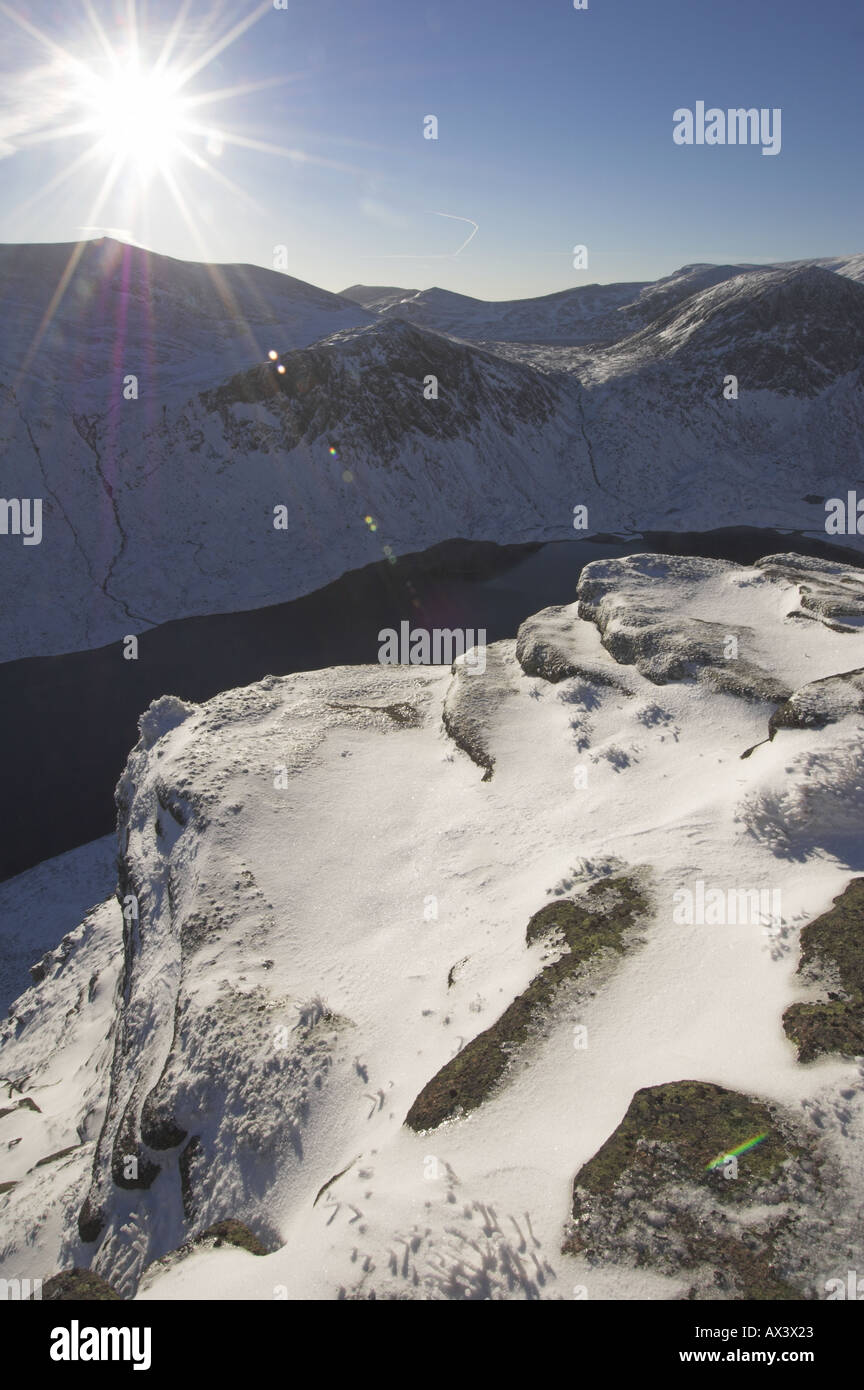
555,129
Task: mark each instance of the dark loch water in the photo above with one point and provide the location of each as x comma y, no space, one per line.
68,722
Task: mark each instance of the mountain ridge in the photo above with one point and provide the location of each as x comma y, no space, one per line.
161,440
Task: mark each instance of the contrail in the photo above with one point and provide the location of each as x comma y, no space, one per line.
456,218
436,256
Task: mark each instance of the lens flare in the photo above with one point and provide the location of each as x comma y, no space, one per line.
735,1153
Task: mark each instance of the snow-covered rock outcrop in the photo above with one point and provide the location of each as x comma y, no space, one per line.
333,884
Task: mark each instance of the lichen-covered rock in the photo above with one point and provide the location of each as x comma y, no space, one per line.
602,921
698,1181
832,956
79,1285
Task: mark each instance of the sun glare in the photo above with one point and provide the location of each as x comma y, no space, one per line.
137,115
138,108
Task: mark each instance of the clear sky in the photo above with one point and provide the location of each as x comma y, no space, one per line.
554,129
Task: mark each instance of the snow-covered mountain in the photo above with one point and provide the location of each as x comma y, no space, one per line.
791,331
161,494
417,989
376,297
570,317
576,317
79,318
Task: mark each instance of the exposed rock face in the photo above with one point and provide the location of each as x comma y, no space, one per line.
826,589
628,601
602,922
832,959
822,702
473,704
555,646
670,1188
212,1070
353,372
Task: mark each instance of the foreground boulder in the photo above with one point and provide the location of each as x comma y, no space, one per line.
697,1181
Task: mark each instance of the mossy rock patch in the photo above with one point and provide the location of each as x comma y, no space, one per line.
832,949
231,1232
603,919
658,1192
702,1123
73,1285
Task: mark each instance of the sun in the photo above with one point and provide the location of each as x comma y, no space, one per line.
139,109
137,115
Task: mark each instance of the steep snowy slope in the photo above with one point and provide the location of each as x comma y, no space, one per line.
79,318
790,331
54,1080
39,907
160,515
99,342
339,882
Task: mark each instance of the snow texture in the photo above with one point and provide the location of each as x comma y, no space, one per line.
332,898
